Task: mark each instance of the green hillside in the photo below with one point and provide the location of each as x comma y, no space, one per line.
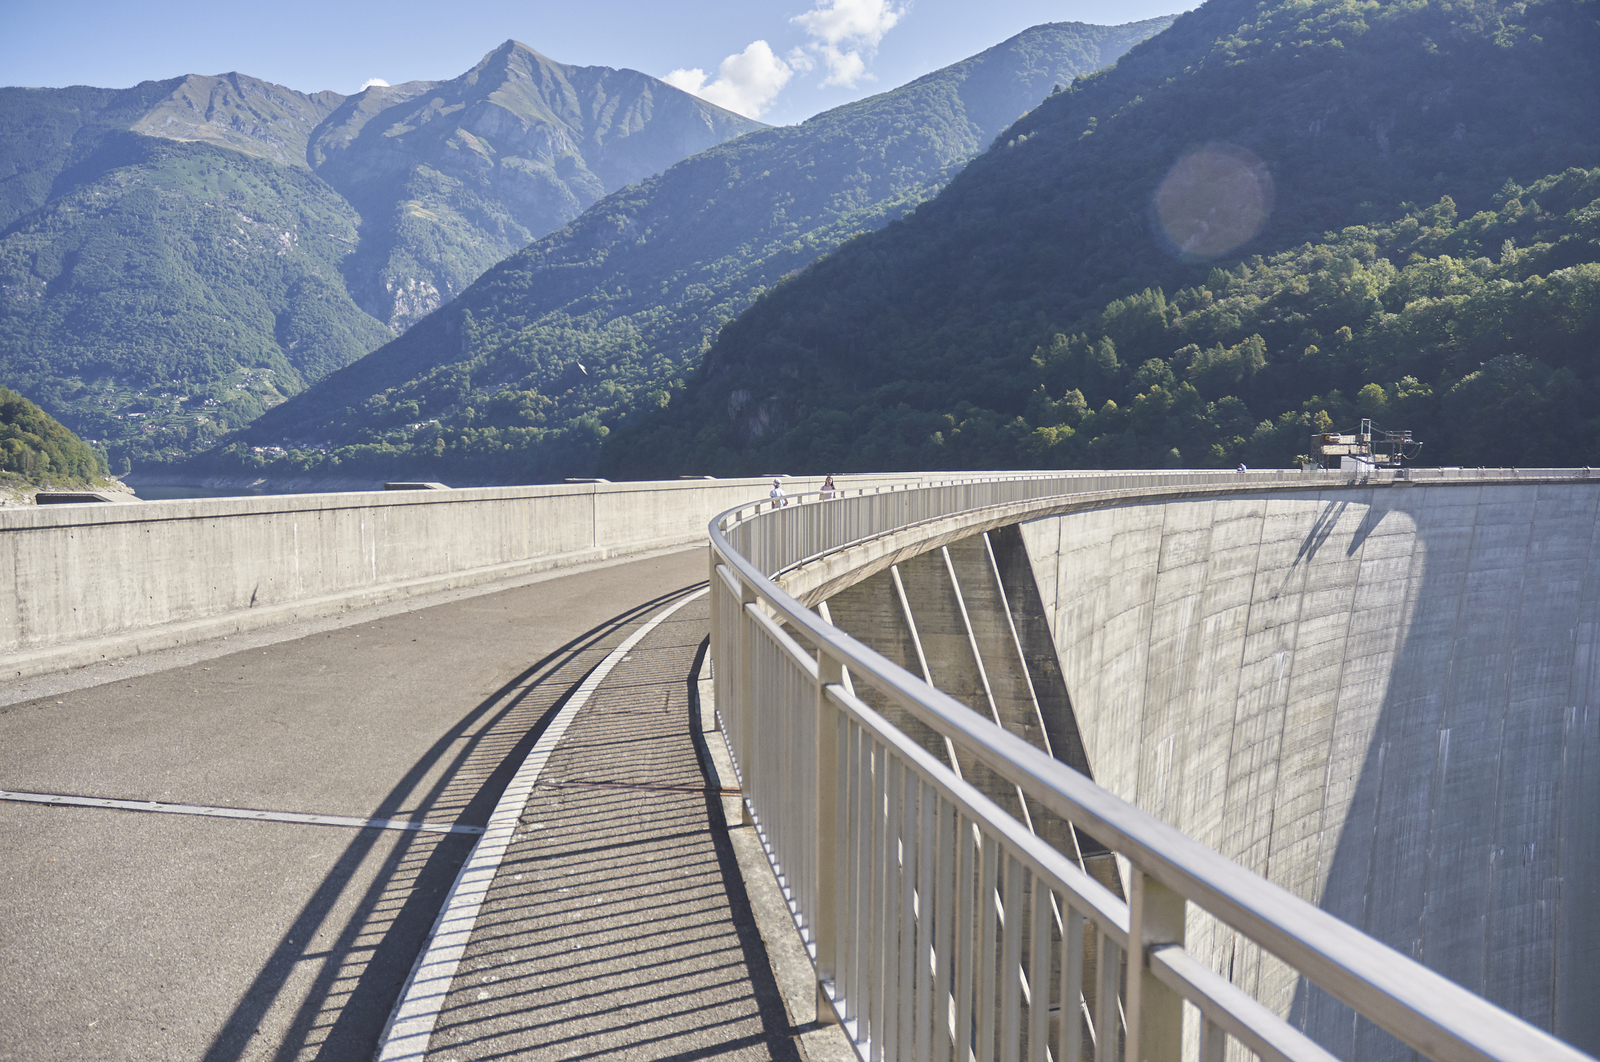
35,448
1335,173
450,178
177,257
44,131
520,378
175,292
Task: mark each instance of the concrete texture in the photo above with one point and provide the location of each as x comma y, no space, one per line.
975,611
1381,699
151,937
84,583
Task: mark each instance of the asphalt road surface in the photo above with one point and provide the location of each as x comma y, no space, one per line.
133,934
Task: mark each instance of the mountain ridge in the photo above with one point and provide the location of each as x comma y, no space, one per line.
178,256
634,288
241,112
511,149
1360,112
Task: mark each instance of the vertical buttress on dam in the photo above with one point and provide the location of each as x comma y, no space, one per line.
1383,700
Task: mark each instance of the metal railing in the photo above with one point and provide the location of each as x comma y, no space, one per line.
940,927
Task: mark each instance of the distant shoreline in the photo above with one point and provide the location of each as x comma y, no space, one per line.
166,485
161,485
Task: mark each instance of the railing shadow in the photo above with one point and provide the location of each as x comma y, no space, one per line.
619,922
361,973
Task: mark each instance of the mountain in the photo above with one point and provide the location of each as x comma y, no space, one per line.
243,113
450,178
1128,238
169,291
179,256
521,376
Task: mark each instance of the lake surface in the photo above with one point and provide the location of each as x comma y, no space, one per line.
164,492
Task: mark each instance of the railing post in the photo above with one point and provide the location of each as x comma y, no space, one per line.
747,700
1155,1012
830,880
714,596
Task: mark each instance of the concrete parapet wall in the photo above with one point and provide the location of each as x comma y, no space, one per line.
1382,699
81,583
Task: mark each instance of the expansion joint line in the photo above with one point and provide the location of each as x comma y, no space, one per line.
59,800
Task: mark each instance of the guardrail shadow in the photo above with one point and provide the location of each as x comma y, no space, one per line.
360,975
618,925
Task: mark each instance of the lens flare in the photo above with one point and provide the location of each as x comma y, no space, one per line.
1213,200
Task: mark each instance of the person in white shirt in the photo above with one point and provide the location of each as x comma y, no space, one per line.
779,498
829,491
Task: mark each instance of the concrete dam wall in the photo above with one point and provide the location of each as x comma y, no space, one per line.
1381,699
83,583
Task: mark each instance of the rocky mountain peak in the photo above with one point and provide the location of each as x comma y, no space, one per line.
244,113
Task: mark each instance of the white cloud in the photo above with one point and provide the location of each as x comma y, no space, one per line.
843,30
844,20
845,67
747,82
374,82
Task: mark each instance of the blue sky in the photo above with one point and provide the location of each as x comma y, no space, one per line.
781,62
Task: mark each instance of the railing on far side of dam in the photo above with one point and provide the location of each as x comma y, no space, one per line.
940,926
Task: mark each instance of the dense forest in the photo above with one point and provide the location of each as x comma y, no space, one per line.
1268,219
35,448
522,377
1481,341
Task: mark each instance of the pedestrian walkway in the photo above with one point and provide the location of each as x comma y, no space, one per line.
618,923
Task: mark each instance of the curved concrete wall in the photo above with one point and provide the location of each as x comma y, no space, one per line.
80,583
1381,699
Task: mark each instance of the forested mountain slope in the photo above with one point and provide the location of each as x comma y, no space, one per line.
450,178
45,133
178,256
169,291
520,377
36,450
1247,221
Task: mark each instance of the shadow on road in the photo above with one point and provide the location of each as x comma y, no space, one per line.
359,977
618,926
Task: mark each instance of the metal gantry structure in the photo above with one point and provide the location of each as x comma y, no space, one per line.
1374,446
939,926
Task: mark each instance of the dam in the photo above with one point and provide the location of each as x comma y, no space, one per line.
1376,695
1380,699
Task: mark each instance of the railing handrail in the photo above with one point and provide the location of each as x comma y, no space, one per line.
1419,1006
